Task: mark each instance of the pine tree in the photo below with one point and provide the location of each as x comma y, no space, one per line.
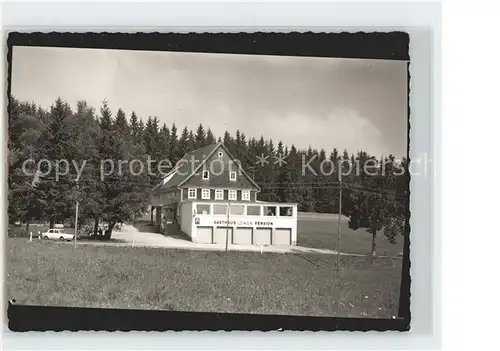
282,176
260,151
124,189
241,150
88,190
200,139
267,173
184,146
374,203
165,141
334,191
190,141
121,124
53,190
210,139
106,151
134,127
292,177
141,129
321,195
150,135
228,141
237,146
309,179
174,145
26,127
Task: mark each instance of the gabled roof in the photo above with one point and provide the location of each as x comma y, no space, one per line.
184,169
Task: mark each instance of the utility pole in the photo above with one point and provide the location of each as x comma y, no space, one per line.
76,221
227,224
338,226
76,215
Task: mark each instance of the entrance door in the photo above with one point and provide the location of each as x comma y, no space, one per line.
262,236
171,224
282,236
169,217
243,236
204,235
220,235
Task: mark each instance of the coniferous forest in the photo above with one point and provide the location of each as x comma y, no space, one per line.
374,200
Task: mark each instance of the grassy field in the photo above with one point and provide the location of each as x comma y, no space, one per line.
322,233
51,273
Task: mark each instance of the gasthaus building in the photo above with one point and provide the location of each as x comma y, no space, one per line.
209,196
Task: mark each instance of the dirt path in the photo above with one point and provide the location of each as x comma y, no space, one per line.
132,236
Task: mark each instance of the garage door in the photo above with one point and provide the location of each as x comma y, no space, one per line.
204,235
220,235
282,236
262,236
243,236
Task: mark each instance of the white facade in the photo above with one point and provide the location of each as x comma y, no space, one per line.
186,217
246,224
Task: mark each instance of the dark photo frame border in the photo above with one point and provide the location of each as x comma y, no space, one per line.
375,45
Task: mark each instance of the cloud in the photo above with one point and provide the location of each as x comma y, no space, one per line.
343,128
322,102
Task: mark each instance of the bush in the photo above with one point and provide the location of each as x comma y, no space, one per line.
19,231
16,231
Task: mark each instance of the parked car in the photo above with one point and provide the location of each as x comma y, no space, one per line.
57,234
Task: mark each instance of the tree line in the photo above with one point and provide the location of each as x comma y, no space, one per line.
310,177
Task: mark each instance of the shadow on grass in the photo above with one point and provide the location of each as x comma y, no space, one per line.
87,238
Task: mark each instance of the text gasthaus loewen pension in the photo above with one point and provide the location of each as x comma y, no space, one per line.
244,222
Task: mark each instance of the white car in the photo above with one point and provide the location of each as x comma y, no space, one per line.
57,234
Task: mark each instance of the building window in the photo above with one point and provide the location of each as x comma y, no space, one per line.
220,154
220,209
245,195
205,194
232,175
238,210
219,194
286,211
269,210
203,209
206,174
253,210
232,194
191,193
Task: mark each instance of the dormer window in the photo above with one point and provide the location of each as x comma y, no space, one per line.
206,174
232,176
220,154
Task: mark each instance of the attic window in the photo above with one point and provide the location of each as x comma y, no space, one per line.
191,193
206,174
245,195
232,176
220,154
219,194
205,194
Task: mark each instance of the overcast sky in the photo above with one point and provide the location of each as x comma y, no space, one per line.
322,102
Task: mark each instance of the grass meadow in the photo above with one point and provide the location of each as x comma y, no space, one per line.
57,274
321,232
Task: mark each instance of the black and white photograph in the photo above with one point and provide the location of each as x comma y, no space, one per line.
181,180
